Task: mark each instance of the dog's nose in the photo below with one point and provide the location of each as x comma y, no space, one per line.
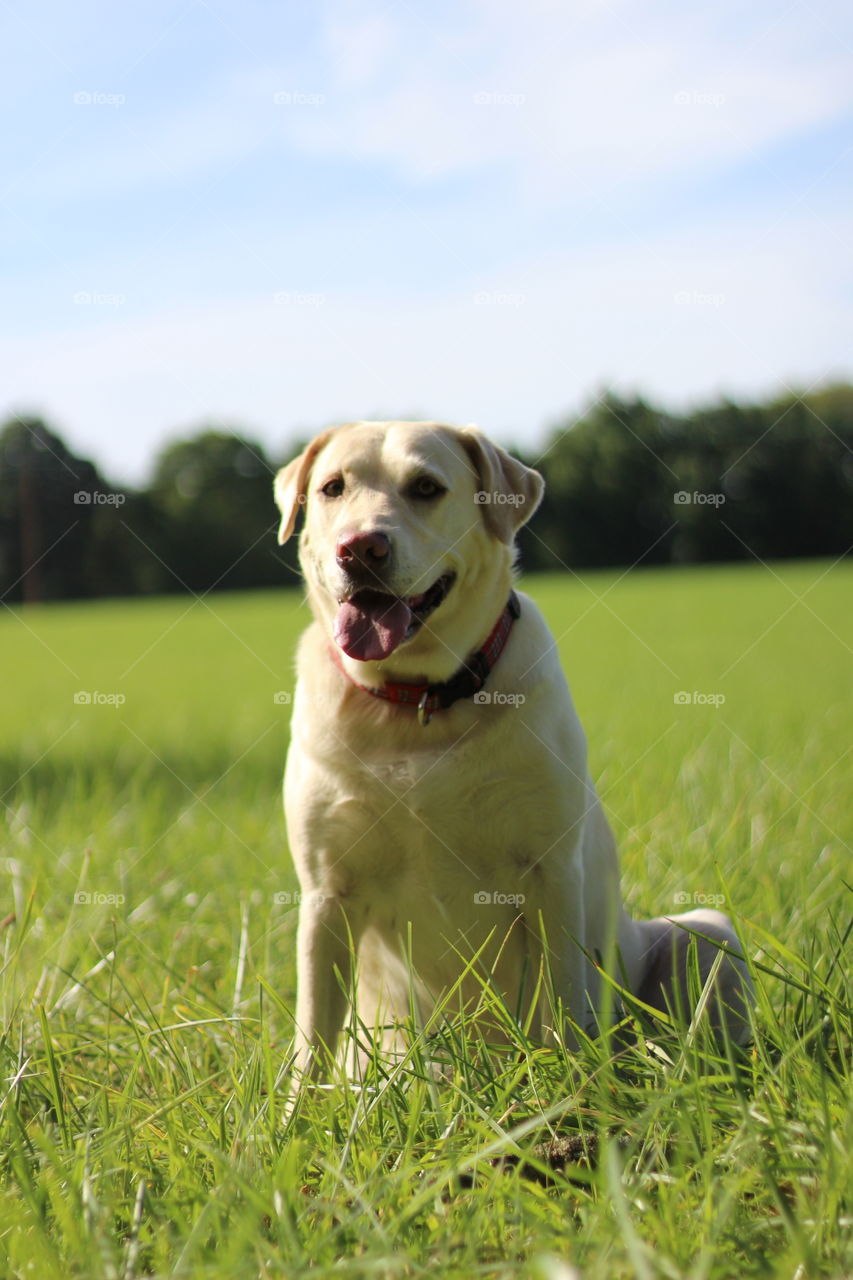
367,548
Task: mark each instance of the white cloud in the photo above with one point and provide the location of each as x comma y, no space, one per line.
731,309
361,47
567,102
572,100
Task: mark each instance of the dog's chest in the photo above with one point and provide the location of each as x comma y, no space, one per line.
433,817
434,787
417,804
401,776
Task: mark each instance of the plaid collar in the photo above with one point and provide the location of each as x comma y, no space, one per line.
467,681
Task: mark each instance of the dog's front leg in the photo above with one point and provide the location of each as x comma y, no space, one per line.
556,926
324,948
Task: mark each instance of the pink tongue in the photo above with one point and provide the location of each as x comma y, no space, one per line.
371,625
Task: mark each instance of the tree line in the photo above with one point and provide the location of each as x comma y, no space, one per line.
626,483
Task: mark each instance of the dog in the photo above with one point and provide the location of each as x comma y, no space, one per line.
440,813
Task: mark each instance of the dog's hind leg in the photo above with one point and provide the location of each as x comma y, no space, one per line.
661,979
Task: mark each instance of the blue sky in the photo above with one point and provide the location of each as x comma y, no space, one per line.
276,216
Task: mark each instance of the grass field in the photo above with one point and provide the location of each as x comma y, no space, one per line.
148,976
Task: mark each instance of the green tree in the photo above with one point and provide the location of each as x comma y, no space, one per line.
608,499
58,522
210,521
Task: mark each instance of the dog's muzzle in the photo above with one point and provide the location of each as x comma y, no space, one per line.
372,622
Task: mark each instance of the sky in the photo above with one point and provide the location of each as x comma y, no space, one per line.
271,216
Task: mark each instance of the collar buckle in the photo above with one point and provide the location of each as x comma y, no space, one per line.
424,708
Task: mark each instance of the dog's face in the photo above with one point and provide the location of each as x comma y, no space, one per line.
406,523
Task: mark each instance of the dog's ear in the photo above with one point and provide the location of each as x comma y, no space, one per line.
291,484
510,492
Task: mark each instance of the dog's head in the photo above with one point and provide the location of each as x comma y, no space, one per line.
408,539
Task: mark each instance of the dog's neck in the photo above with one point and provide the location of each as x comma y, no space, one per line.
468,681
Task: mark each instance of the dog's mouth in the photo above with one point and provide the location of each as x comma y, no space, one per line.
371,624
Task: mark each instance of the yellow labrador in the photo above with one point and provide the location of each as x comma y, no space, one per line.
438,802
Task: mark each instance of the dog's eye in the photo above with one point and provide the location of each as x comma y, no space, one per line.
425,487
333,488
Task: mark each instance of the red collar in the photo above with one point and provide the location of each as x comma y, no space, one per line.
467,681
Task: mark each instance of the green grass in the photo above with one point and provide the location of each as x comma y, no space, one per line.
142,1124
